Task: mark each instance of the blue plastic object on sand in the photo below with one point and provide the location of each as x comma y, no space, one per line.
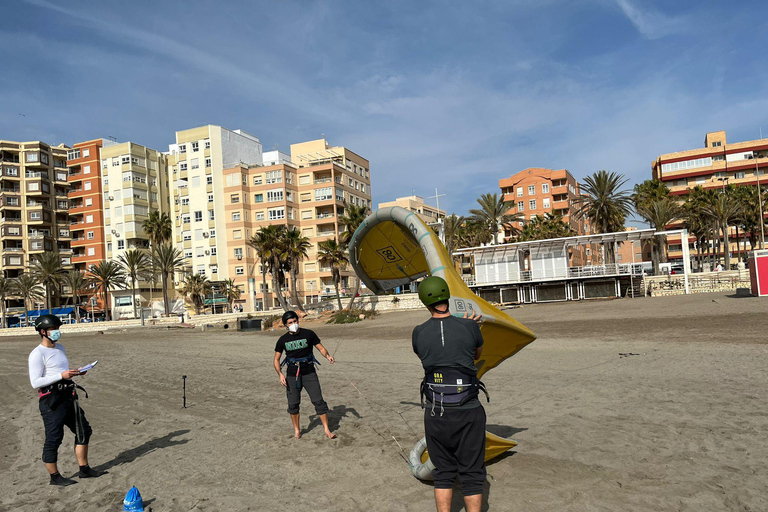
133,501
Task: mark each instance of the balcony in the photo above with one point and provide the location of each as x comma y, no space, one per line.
10,231
322,180
325,215
37,204
64,233
13,249
13,261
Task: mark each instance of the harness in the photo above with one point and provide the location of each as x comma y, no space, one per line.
451,387
297,361
62,390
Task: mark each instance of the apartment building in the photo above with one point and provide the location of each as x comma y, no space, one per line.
86,203
308,190
34,204
416,204
714,166
197,197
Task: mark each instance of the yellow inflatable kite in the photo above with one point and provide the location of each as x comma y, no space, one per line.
393,247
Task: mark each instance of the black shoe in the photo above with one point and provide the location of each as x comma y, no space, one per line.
89,472
57,479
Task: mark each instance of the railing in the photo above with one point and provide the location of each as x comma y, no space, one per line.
13,249
64,233
324,215
527,276
323,180
37,174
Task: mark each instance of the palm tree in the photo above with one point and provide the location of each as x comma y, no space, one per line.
545,226
167,260
332,253
105,276
351,221
258,242
48,271
472,234
158,228
195,288
724,209
29,289
268,241
604,204
659,213
648,192
76,281
296,247
6,289
135,263
494,214
231,291
452,225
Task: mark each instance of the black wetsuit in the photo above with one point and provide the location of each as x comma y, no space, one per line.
456,435
301,346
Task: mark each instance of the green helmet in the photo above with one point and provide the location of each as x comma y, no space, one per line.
433,290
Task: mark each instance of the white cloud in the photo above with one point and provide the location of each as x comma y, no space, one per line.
650,23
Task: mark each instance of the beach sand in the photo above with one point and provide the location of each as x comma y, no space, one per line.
680,426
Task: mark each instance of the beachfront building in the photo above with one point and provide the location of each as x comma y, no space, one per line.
308,190
429,214
34,204
714,166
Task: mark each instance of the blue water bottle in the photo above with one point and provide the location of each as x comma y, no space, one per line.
133,501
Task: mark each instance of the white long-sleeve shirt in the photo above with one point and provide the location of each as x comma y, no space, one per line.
46,365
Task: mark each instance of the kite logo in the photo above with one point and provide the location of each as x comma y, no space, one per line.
389,254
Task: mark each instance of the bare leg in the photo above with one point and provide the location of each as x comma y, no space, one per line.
443,500
81,452
473,503
51,467
324,421
296,429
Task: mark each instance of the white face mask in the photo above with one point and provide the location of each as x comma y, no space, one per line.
293,327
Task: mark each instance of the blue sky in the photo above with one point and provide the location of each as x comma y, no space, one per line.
448,94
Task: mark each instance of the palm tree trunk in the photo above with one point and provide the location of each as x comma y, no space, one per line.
2,306
26,313
726,247
338,295
354,295
106,305
264,288
76,305
133,291
294,291
165,294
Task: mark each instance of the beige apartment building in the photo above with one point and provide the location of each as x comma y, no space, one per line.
308,190
34,204
429,214
714,166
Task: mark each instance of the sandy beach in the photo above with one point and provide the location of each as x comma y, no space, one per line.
679,426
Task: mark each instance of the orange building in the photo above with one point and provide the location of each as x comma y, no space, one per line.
536,191
86,203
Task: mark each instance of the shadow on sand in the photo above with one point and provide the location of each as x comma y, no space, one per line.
335,414
150,446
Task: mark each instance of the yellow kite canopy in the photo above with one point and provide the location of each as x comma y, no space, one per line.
393,247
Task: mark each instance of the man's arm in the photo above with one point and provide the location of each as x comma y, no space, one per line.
478,337
277,368
325,353
37,369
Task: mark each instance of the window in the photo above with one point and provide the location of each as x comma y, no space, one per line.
532,204
258,198
195,163
519,191
234,198
740,176
125,159
195,147
183,166
546,203
274,177
86,152
274,195
199,234
182,148
210,198
686,164
276,213
214,269
73,154
185,201
304,180
212,233
209,180
35,215
201,270
289,195
718,158
207,144
257,180
115,162
207,162
87,185
531,190
89,235
717,144
91,251
195,181
323,194
520,206
89,219
239,253
186,236
86,169
237,234
106,181
198,216
213,251
239,271
235,216
259,215
545,188
185,219
211,215
187,253
109,247
89,202
120,245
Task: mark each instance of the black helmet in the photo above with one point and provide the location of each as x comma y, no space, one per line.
47,322
288,315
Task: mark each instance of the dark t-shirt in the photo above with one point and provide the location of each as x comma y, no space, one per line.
300,344
448,342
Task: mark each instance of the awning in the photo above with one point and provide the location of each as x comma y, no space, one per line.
65,311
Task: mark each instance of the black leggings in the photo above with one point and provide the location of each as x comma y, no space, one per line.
58,412
311,383
456,445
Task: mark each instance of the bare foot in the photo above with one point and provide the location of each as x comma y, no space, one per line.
297,435
330,435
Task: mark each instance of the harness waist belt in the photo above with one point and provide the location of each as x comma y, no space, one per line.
310,360
450,387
